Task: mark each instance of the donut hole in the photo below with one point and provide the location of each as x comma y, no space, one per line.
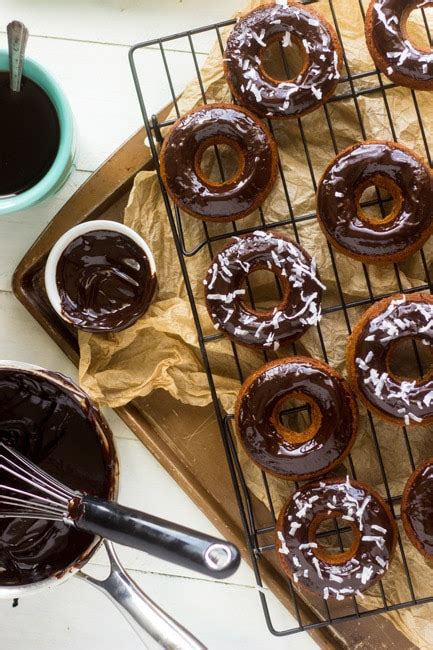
418,26
409,359
337,539
219,161
297,418
378,201
263,291
295,415
283,60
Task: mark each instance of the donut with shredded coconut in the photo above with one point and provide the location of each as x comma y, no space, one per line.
390,47
188,184
226,292
288,23
392,320
280,450
323,568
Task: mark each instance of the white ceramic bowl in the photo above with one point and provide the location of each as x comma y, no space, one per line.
68,237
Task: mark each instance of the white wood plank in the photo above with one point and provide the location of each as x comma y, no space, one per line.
98,81
117,21
23,339
74,616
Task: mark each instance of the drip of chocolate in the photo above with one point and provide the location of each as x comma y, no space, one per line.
105,281
42,420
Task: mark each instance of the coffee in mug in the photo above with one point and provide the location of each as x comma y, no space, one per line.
29,135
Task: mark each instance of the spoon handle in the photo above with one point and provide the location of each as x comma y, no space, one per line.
17,41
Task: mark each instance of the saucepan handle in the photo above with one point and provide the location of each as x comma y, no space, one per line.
154,626
164,539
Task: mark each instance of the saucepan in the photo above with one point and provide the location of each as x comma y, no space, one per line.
171,541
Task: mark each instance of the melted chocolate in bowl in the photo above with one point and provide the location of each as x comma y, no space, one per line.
105,281
52,428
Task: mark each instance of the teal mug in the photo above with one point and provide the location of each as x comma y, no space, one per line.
63,162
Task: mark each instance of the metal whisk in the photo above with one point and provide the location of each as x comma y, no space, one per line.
28,492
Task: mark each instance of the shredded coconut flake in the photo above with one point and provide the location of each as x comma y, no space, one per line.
315,561
287,39
308,545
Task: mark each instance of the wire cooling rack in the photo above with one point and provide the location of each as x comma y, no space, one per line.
352,88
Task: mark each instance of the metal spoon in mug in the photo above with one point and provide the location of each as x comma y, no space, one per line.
18,35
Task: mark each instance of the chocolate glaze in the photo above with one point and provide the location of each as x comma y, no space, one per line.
389,38
373,529
269,97
181,156
270,444
302,290
417,506
401,317
47,424
337,200
104,281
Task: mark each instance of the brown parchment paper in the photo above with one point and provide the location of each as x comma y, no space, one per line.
161,350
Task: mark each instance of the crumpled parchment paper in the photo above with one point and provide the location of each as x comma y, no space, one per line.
162,351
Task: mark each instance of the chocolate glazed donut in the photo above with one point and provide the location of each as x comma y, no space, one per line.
372,240
392,52
280,450
370,346
417,508
183,150
314,567
251,84
300,284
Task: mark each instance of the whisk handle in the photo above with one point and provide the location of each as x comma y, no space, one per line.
169,541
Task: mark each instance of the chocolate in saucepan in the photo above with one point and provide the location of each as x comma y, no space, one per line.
105,281
62,435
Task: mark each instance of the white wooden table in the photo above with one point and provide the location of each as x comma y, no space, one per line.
85,45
